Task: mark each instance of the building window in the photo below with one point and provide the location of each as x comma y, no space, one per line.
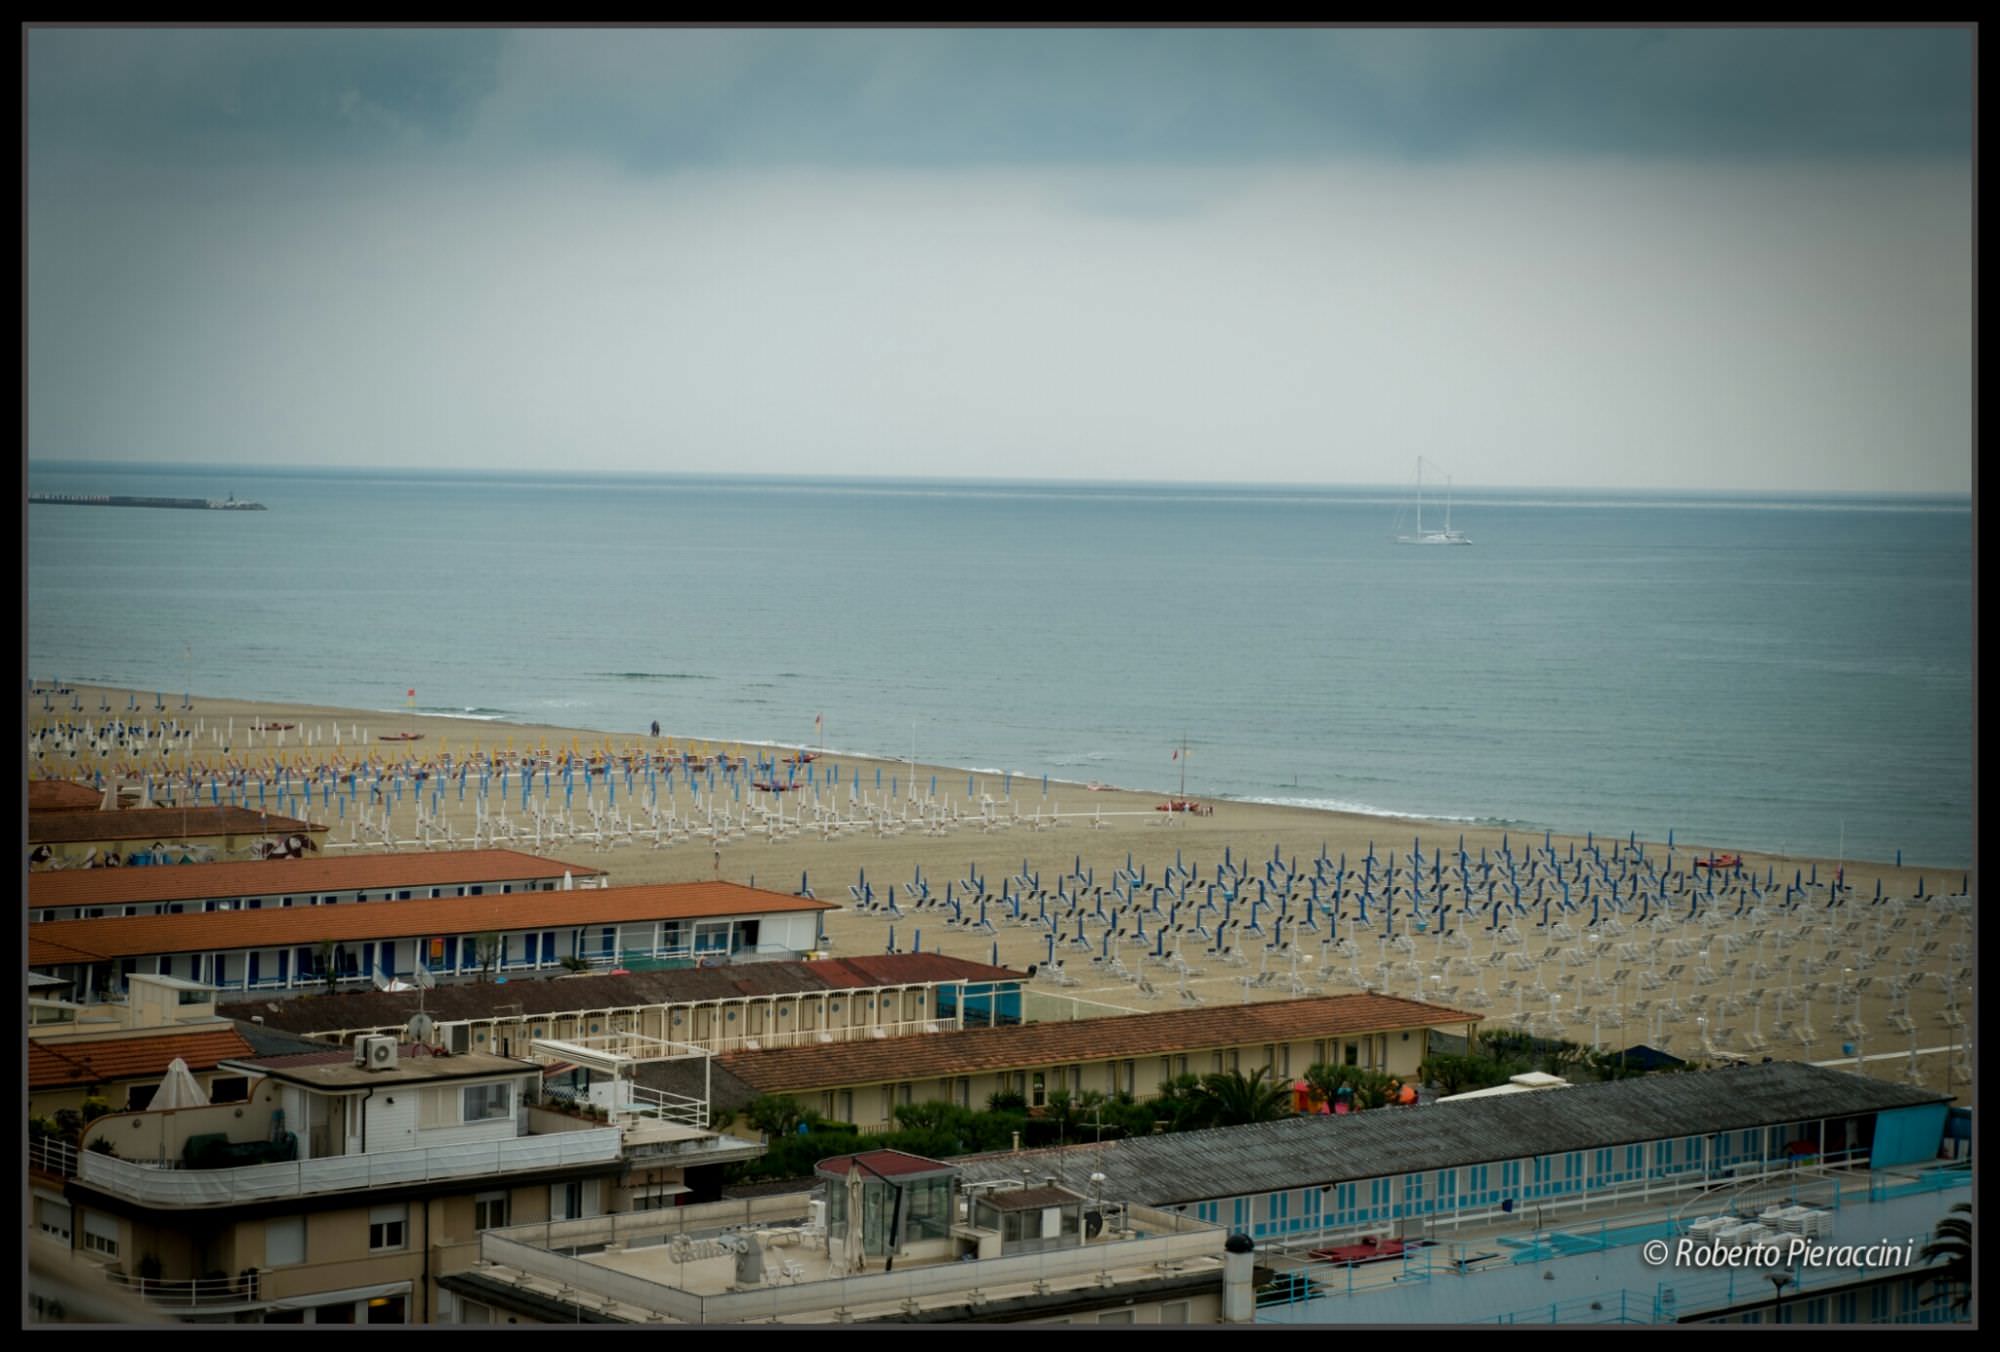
1038,1090
566,1201
100,1234
387,1228
53,1218
284,1241
138,1096
229,1089
484,1102
489,1211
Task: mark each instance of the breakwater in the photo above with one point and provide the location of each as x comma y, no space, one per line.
229,504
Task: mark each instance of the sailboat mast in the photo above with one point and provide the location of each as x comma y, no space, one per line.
1420,497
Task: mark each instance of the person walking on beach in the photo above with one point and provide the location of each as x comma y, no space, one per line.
656,727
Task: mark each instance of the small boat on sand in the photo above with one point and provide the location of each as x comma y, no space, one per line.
401,737
1720,861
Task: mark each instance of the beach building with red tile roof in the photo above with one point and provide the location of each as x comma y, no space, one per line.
295,949
315,880
864,1081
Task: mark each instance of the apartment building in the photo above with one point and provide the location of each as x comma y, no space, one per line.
885,1237
350,1181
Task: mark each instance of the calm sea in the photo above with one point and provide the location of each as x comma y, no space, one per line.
1745,672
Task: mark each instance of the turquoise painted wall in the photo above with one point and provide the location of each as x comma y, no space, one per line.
1908,1135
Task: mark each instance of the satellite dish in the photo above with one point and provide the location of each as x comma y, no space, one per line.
420,1027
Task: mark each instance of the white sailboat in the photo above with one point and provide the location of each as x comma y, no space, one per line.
1447,536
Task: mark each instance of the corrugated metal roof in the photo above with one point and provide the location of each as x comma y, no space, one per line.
223,931
311,1013
125,1058
289,877
160,823
1311,1151
930,1056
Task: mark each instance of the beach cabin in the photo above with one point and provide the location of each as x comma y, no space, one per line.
296,949
92,894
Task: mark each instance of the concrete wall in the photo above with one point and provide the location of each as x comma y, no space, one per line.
164,1134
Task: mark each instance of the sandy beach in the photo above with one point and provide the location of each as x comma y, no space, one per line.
1804,981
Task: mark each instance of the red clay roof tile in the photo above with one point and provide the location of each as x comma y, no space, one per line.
160,823
284,927
66,1063
289,877
936,1055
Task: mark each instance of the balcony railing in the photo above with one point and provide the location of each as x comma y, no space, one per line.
192,1294
52,1155
345,1173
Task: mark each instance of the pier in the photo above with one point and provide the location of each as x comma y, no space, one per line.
229,504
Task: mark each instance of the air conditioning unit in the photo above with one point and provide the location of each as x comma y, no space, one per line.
375,1052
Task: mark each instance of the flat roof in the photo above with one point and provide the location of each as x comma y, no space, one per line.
335,1068
1030,1199
544,996
289,877
935,1055
159,824
224,931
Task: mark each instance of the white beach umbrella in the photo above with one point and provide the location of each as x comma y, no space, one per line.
180,1089
855,1257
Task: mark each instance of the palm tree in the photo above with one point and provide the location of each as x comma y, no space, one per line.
1060,1109
1370,1088
1181,1104
1233,1099
1951,1240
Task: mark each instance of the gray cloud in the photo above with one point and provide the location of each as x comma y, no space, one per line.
656,99
1730,259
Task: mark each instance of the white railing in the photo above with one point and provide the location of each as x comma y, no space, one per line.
53,1156
194,1293
518,1250
346,1173
644,1102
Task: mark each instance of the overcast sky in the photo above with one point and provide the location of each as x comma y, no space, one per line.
1730,259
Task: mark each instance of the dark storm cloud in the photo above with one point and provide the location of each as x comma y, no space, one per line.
664,98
